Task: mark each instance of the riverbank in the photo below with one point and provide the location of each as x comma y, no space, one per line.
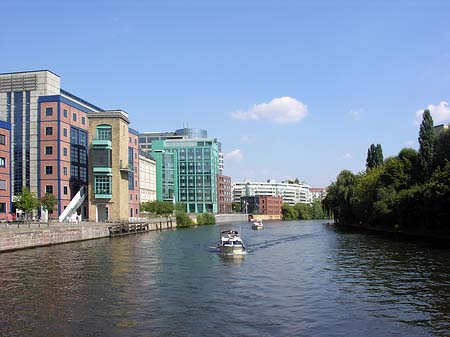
32,235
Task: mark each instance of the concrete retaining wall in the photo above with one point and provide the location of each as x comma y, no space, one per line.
224,218
20,238
12,239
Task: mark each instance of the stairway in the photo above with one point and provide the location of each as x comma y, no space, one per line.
74,204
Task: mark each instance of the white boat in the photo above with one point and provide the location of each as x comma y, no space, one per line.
257,224
231,243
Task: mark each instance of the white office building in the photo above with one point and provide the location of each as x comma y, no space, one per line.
147,178
291,193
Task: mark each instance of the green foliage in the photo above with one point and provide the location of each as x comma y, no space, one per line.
181,206
48,202
158,207
289,213
441,149
426,140
304,211
183,220
236,206
410,190
27,201
374,156
338,201
317,210
206,219
301,211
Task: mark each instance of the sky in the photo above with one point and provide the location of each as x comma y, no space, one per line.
292,89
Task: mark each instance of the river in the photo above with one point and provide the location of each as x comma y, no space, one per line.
300,278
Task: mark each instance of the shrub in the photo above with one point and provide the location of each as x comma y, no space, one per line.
206,219
183,220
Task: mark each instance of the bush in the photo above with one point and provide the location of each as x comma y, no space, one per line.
183,220
206,219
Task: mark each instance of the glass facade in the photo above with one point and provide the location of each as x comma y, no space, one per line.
190,171
17,141
78,159
131,167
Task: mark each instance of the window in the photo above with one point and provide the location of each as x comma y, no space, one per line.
65,151
104,132
48,150
2,207
2,162
49,170
65,113
48,111
103,185
48,130
65,132
3,185
2,139
49,189
65,170
83,120
65,190
101,157
74,116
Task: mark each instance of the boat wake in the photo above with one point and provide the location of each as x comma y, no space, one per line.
269,243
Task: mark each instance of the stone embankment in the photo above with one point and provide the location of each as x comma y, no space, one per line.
28,235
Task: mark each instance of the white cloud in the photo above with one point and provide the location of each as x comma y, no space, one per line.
235,154
440,113
347,156
411,142
280,110
356,114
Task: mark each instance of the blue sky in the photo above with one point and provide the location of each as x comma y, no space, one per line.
290,88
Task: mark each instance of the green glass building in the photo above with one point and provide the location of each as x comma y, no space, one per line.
187,172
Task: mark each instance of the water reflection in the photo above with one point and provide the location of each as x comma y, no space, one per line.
405,282
298,279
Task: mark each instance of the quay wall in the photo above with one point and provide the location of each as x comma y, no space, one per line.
224,218
25,237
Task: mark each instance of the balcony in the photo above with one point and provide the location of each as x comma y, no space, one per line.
125,168
102,142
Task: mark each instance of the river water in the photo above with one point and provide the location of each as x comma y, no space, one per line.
299,278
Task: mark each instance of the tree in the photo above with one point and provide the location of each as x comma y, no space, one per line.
370,157
289,213
27,201
374,156
441,149
48,202
236,206
426,140
158,207
304,211
378,158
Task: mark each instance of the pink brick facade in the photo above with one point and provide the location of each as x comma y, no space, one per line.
224,194
5,167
